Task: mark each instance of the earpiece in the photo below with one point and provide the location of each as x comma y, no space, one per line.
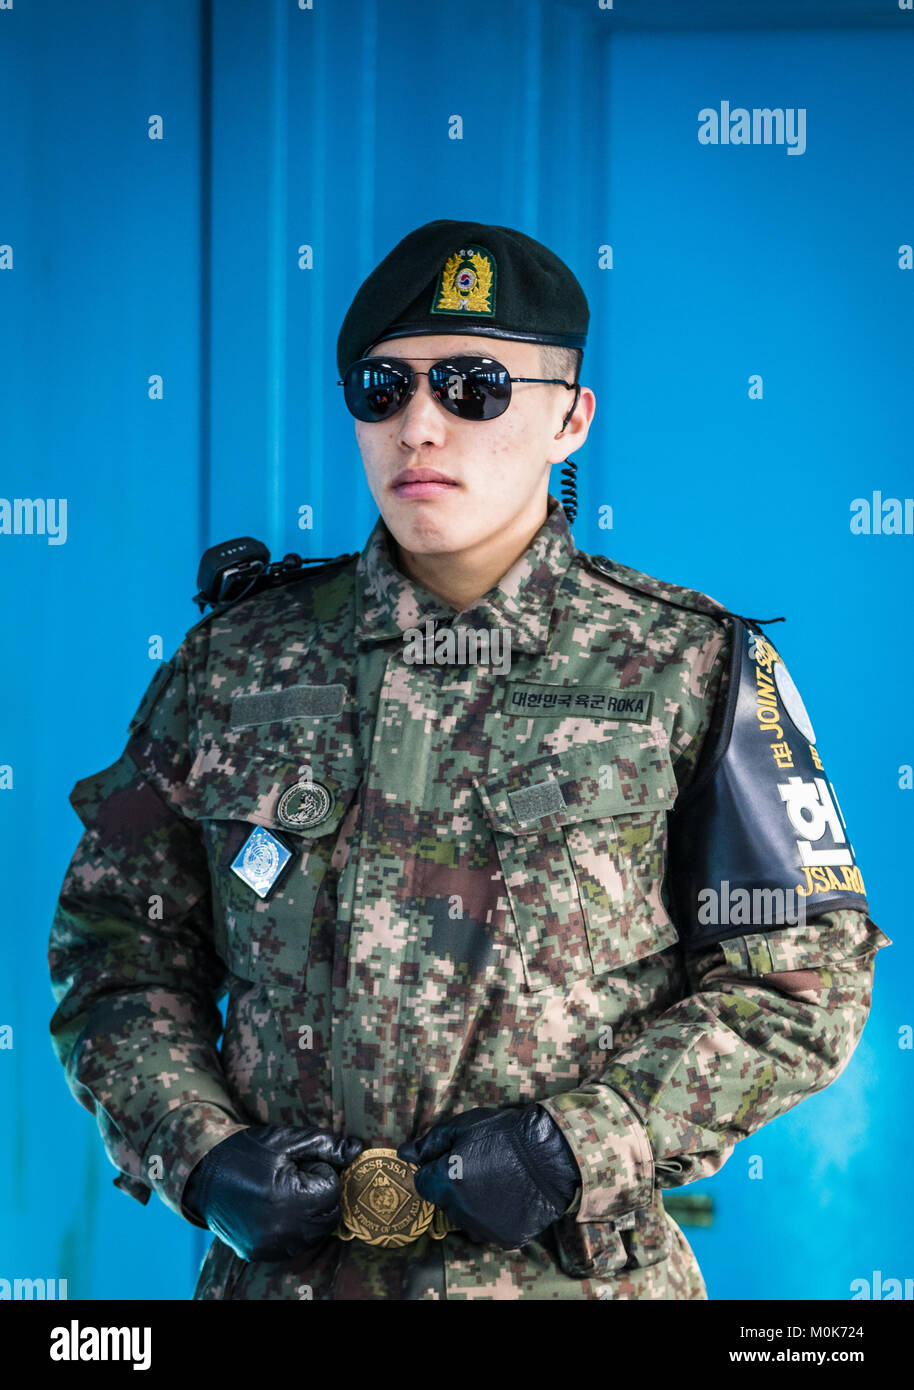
574,406
569,489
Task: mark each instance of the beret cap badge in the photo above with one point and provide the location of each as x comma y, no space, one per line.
466,283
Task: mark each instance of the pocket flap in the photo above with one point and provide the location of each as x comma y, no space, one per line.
264,790
588,781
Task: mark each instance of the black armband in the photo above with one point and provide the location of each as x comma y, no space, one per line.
758,839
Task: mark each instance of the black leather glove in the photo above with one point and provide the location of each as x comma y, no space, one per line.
517,1173
270,1191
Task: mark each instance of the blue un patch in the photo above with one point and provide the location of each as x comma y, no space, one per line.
261,860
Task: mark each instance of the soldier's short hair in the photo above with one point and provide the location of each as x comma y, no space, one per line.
561,362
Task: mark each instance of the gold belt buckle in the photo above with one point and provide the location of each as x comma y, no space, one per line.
380,1205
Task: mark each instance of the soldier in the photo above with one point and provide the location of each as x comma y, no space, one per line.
519,868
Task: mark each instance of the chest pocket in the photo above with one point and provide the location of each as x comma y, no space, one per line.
266,939
582,840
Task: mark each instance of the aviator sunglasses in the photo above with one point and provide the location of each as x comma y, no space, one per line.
473,388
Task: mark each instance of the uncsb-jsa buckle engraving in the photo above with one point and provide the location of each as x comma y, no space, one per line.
381,1206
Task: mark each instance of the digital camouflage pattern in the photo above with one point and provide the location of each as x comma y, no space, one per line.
452,933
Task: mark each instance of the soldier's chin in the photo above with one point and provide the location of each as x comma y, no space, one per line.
428,531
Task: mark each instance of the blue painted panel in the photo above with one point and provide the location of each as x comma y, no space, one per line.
104,295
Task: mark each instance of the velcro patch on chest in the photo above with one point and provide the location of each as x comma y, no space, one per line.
296,702
588,701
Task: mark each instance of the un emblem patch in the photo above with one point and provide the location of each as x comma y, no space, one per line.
260,861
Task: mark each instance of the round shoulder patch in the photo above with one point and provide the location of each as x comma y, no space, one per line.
792,702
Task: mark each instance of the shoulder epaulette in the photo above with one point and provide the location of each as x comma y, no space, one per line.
238,569
691,599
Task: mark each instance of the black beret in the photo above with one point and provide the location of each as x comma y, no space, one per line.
466,277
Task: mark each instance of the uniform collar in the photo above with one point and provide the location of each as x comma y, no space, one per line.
388,602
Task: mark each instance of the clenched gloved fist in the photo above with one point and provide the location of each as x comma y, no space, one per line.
516,1175
270,1191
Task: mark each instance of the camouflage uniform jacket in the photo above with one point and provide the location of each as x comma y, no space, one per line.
432,948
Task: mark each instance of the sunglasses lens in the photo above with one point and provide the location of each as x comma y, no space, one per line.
375,389
471,387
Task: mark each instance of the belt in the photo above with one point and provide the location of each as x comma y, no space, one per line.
380,1205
